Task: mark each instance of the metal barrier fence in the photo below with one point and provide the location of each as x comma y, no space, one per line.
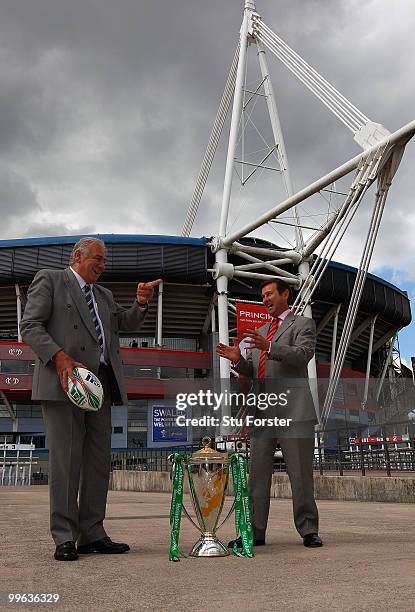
16,462
147,459
368,454
339,451
15,475
344,453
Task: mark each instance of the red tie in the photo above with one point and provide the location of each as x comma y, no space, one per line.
271,332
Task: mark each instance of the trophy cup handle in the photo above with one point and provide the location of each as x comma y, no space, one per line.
170,459
191,520
228,515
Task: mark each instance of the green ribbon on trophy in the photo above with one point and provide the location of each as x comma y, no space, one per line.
176,505
207,471
243,514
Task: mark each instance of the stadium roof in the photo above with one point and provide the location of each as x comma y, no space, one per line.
189,288
107,238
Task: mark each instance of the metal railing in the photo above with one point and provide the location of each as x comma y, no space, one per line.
382,456
16,461
339,451
147,459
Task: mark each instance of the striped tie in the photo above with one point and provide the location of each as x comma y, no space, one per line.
90,302
272,329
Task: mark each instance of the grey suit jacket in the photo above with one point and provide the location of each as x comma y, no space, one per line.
291,349
57,317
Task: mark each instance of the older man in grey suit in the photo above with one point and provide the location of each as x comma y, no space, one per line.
280,351
71,321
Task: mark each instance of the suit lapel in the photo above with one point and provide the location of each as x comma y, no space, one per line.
284,325
79,301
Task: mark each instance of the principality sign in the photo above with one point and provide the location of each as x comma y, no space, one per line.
250,316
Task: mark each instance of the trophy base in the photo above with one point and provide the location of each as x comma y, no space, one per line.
209,546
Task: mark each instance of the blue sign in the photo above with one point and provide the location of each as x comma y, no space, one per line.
164,428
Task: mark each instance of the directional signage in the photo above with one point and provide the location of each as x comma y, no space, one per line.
17,447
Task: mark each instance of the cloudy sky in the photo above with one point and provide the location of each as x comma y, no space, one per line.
106,108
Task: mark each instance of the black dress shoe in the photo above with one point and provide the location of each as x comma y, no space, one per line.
105,546
238,541
66,552
312,540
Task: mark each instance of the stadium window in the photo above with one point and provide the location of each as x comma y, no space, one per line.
24,411
37,440
172,372
352,389
339,394
134,371
15,366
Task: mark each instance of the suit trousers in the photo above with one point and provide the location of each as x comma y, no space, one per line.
298,457
79,466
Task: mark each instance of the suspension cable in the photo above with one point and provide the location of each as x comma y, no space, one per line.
349,114
212,146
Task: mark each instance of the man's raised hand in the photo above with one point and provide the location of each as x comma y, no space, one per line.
229,352
255,340
145,291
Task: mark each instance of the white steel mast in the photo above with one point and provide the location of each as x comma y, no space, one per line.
379,161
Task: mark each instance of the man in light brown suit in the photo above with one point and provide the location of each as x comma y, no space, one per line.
71,321
280,351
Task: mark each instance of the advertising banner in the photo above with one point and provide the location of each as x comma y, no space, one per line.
163,429
250,316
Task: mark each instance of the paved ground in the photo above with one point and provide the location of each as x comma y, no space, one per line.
367,563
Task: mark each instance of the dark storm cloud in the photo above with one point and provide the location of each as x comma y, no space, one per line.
17,199
106,108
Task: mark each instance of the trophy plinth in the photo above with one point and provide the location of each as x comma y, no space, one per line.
209,545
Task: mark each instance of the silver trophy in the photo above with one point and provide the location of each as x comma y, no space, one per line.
208,473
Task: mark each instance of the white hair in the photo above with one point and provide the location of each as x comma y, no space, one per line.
84,245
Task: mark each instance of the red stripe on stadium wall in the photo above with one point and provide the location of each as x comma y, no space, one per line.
18,351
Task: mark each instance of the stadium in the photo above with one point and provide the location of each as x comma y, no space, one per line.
179,334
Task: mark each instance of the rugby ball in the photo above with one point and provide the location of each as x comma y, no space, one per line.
87,392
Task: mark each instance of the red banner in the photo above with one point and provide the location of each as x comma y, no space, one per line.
16,351
16,382
250,316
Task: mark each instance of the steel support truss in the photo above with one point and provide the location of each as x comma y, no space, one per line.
378,162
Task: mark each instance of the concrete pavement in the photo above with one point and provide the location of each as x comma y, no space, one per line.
367,563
